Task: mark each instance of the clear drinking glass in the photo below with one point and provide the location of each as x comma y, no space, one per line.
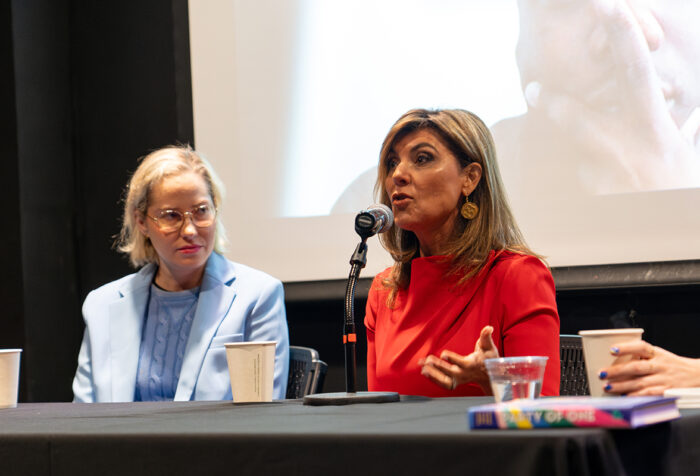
516,377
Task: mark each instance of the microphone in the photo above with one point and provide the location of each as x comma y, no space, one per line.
377,218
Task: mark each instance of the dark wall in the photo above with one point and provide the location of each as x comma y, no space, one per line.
91,86
132,94
48,205
11,288
669,315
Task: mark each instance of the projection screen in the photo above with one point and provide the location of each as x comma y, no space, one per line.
593,105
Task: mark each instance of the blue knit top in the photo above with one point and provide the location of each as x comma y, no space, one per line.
169,319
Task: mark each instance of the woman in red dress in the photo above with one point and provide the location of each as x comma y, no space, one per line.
464,286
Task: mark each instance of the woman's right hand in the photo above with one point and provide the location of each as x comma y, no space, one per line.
651,370
452,369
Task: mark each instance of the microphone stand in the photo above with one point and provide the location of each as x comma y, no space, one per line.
357,262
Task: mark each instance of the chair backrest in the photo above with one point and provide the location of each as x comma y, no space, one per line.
574,380
306,372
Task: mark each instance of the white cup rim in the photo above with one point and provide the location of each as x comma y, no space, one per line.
609,332
8,351
244,344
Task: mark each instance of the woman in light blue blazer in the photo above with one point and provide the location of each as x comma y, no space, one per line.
159,334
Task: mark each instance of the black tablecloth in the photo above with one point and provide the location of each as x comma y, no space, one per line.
413,436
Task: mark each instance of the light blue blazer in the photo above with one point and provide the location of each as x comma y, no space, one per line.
236,303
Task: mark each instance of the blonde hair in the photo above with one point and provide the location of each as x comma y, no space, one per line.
162,163
494,227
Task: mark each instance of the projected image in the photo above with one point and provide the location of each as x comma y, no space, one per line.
612,91
593,104
360,65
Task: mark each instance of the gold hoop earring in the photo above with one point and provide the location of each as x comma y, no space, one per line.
469,209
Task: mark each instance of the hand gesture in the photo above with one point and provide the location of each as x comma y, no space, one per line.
452,369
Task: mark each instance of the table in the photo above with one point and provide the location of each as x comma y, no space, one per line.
414,436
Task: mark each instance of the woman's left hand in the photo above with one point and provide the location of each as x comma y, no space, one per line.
452,369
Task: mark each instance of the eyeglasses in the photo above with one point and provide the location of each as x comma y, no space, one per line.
172,220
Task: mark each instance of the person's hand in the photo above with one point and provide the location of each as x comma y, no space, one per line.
651,370
608,102
452,369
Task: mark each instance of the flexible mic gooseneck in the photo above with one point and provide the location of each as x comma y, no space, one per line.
375,219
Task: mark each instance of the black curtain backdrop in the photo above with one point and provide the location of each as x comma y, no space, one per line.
11,296
89,87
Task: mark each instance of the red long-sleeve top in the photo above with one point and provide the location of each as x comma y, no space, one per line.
514,293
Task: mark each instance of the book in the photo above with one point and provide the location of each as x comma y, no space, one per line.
559,412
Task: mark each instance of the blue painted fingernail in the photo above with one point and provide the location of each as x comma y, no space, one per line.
602,375
615,350
608,387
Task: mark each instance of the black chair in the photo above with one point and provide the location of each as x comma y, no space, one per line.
574,380
306,372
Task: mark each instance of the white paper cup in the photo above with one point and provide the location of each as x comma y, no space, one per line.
9,377
251,366
596,353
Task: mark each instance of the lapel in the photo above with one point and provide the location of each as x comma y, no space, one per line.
215,298
126,318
